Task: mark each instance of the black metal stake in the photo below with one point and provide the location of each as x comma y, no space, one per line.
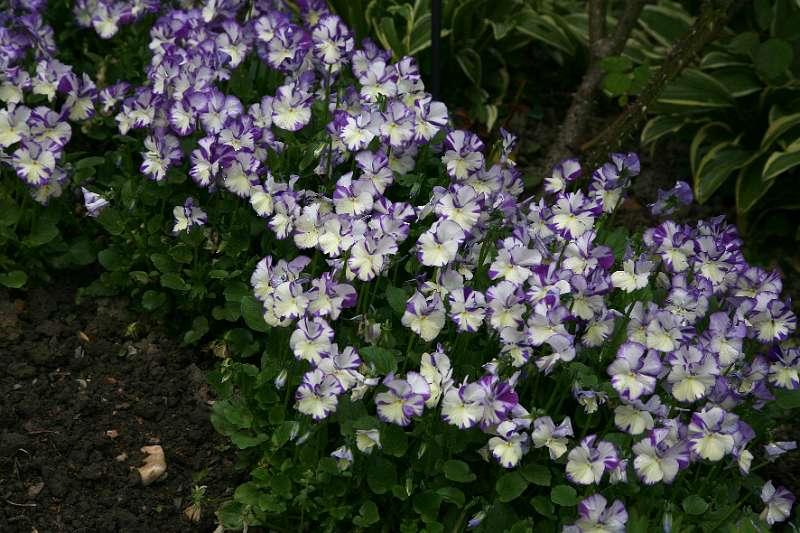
436,41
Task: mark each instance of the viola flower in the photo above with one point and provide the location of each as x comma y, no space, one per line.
779,503
467,309
660,457
510,446
14,125
775,323
784,367
333,41
188,216
671,200
343,456
634,371
463,154
693,373
378,81
711,433
312,340
404,399
573,214
435,368
587,462
439,245
397,125
291,108
462,205
776,449
462,405
633,276
34,162
162,152
589,399
318,394
367,439
564,172
342,365
635,417
596,518
546,434
423,317
329,298
368,256
93,202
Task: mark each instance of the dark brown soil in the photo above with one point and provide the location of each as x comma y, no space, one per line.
82,389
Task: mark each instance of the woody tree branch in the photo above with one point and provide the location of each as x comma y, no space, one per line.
705,29
600,46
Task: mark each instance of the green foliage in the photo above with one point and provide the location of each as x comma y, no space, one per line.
740,106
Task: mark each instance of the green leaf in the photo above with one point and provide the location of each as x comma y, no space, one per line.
661,125
397,298
470,62
452,495
510,486
717,166
245,440
367,514
617,83
90,162
387,35
111,259
564,495
542,505
537,474
739,81
773,57
152,300
235,291
394,440
181,253
778,163
616,64
695,505
665,22
44,228
14,279
763,10
778,128
458,471
247,493
383,359
164,263
253,314
787,399
427,503
111,220
381,475
750,188
544,28
173,280
199,328
694,90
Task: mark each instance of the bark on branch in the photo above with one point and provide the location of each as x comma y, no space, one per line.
600,46
704,30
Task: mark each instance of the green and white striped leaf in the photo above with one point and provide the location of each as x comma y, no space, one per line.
708,132
717,166
739,81
750,188
718,59
694,91
665,22
778,163
544,28
661,125
778,127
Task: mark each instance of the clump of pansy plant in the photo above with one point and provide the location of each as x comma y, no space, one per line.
33,135
423,314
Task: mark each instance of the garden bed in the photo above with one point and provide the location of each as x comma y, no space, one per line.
83,388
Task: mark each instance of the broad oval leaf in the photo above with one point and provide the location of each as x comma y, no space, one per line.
717,166
694,91
778,127
510,486
661,125
750,188
778,163
739,81
470,62
773,57
544,28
